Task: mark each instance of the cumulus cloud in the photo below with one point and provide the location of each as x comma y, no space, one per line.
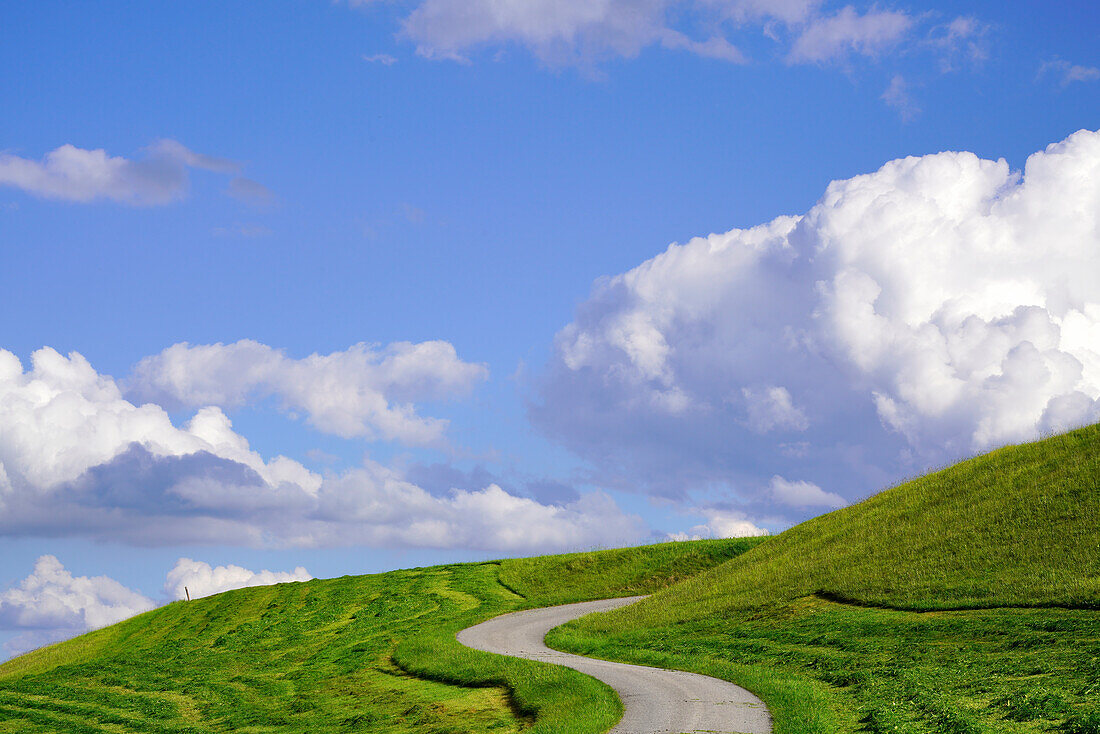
581,32
77,458
51,604
941,305
52,597
376,505
363,391
61,418
70,173
721,524
199,579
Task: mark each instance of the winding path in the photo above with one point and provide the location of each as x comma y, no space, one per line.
656,701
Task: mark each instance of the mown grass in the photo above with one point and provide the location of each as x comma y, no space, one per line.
356,654
965,601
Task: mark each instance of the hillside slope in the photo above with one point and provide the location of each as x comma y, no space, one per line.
336,655
962,601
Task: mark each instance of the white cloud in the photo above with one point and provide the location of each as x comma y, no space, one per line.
772,408
76,174
249,191
1067,73
802,494
584,32
362,391
791,12
61,418
556,32
897,96
199,579
948,298
376,506
51,604
834,37
52,599
384,59
721,524
78,458
964,39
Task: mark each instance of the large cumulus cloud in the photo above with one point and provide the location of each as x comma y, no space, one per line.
51,604
941,305
78,458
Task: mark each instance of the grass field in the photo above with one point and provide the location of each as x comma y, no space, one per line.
963,602
356,654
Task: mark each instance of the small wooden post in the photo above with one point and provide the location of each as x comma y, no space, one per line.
185,591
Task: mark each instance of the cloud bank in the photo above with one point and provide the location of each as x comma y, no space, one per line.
939,306
79,459
159,176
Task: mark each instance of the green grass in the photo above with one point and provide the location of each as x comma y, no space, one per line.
356,654
965,601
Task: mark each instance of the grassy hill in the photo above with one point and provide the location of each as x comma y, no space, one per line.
355,654
963,601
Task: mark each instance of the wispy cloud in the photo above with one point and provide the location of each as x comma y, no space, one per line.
249,191
897,96
964,39
582,33
1066,73
68,173
384,59
835,37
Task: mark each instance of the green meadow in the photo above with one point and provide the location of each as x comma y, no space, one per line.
965,601
356,654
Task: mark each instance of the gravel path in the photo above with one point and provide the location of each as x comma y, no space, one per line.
656,701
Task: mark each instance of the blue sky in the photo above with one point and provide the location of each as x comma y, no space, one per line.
465,194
